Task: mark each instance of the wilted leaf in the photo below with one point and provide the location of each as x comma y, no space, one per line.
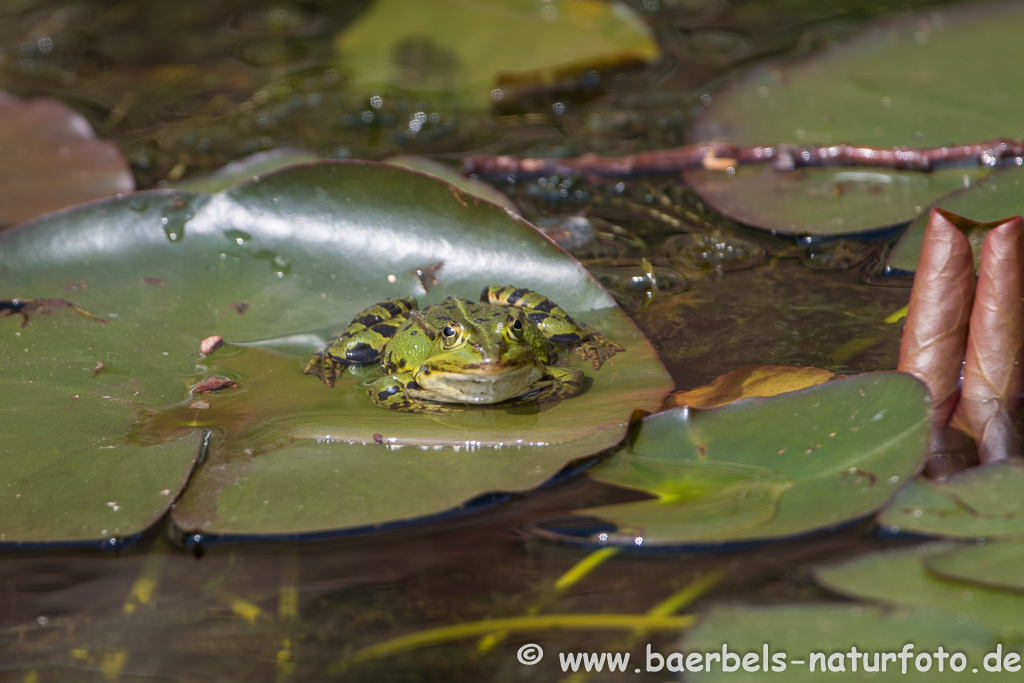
935,332
50,159
748,381
993,376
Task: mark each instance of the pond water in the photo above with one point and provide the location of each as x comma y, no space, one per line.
185,88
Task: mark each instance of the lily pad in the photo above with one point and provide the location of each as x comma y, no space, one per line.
463,51
900,83
50,158
999,195
247,167
291,257
999,564
900,577
825,201
797,637
981,502
765,468
470,185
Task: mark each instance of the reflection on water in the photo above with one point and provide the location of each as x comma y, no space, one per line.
295,612
187,88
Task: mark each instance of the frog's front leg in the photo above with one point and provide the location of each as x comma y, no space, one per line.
555,324
557,384
392,392
596,348
363,341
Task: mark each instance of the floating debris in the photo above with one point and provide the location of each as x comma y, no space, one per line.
211,384
211,344
23,307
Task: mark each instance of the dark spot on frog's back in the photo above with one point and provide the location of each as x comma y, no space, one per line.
360,353
385,330
547,305
368,320
566,338
388,393
391,308
515,296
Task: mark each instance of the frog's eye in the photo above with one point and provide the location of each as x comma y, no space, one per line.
515,328
451,335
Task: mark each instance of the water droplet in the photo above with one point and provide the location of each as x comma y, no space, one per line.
282,266
176,214
239,237
139,204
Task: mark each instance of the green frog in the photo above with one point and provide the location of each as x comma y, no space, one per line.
502,349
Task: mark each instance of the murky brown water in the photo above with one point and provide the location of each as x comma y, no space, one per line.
186,88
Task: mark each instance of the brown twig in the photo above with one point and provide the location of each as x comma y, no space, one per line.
722,155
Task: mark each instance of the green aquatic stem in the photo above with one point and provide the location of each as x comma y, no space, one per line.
586,622
687,594
584,567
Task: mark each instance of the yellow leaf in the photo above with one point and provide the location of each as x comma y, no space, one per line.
747,381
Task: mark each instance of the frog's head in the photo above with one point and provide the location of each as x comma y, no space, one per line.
482,354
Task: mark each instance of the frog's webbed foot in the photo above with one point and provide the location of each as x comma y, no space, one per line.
325,367
559,383
23,307
391,392
596,348
15,307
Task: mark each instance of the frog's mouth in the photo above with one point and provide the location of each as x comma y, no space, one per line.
485,384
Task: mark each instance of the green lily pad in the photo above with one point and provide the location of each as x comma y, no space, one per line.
463,51
997,196
999,564
975,503
900,83
825,201
280,262
766,468
242,169
446,173
901,577
795,637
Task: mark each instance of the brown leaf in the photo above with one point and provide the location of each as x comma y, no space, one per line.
51,159
935,333
993,375
747,381
214,383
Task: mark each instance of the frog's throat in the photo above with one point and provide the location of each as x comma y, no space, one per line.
485,385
